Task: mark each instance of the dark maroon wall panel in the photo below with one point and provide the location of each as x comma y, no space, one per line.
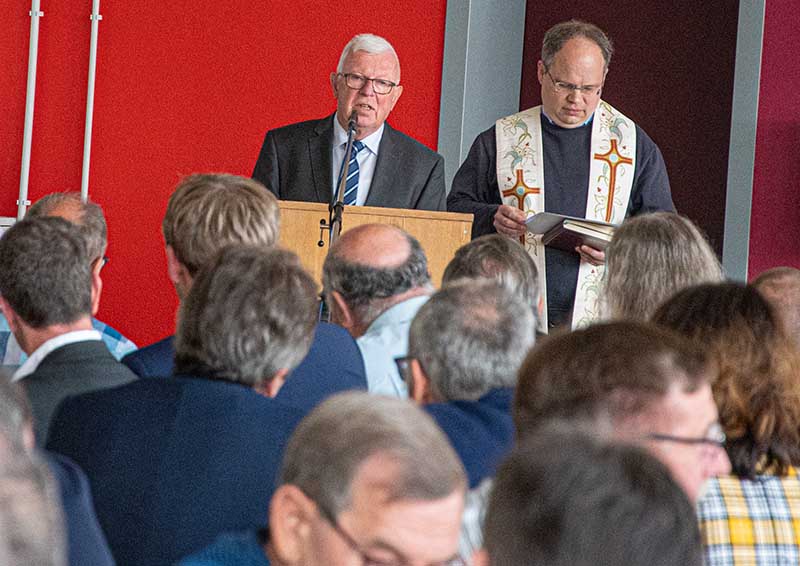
673,74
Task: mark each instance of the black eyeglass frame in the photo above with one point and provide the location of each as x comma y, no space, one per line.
386,87
560,86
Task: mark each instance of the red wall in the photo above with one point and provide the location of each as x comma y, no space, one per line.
775,223
185,86
673,74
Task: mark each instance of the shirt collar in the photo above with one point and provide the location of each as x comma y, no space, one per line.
588,120
372,141
32,363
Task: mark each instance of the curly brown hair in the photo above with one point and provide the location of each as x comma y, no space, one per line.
758,387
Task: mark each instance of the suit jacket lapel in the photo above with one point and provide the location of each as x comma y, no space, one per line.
387,171
320,144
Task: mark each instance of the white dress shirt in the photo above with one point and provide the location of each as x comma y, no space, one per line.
367,158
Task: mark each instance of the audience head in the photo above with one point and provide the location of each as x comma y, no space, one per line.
565,499
469,338
757,390
206,212
87,216
46,280
16,419
372,57
640,383
499,258
650,258
31,522
371,477
370,269
781,287
249,318
573,53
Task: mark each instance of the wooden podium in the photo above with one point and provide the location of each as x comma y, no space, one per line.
439,233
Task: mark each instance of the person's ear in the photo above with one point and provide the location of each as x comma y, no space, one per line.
340,311
9,313
335,88
178,273
420,387
540,71
97,284
291,514
270,387
481,558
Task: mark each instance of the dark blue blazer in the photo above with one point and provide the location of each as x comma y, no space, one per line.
174,462
482,431
333,364
86,542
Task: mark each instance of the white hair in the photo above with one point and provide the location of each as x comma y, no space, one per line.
370,43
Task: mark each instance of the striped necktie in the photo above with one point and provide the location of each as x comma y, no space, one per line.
351,187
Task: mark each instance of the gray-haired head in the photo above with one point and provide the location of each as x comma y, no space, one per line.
16,419
559,34
369,43
652,257
328,447
45,272
31,521
250,312
471,337
88,216
360,272
501,259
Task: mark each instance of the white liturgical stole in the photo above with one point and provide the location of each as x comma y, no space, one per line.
520,178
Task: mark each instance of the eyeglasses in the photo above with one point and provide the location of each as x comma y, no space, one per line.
357,82
715,437
560,87
368,560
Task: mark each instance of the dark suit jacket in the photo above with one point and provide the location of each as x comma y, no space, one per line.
174,462
481,432
85,541
295,164
333,364
69,370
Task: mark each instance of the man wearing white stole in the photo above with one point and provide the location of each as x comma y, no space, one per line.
575,155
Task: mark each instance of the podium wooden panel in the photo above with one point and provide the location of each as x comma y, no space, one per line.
439,233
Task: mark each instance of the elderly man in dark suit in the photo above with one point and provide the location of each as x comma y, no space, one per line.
174,462
303,161
50,289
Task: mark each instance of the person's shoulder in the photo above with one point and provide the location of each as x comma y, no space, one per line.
410,145
154,360
305,127
241,549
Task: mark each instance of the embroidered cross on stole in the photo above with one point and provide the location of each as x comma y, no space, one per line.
520,178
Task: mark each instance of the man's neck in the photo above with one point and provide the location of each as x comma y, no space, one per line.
31,338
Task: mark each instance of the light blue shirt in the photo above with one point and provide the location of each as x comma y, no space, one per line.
367,158
387,339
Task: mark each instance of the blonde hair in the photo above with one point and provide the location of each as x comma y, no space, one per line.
652,257
206,212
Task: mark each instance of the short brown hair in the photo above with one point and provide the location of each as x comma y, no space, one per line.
758,388
616,369
208,211
559,34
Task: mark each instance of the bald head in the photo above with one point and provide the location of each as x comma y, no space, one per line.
781,287
87,216
370,269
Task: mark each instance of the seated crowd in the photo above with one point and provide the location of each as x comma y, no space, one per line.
421,426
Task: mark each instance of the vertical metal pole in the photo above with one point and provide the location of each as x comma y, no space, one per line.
33,53
87,134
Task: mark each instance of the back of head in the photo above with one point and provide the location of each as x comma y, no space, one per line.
16,420
45,272
564,499
501,259
470,338
781,287
206,212
250,312
372,44
650,258
559,34
757,391
614,370
88,216
31,522
330,444
361,267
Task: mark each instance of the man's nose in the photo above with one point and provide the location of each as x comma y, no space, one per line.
368,88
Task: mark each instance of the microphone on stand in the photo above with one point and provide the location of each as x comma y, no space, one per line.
352,122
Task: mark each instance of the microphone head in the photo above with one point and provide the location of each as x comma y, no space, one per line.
353,121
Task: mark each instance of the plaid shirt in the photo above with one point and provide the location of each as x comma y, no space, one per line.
757,522
12,355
